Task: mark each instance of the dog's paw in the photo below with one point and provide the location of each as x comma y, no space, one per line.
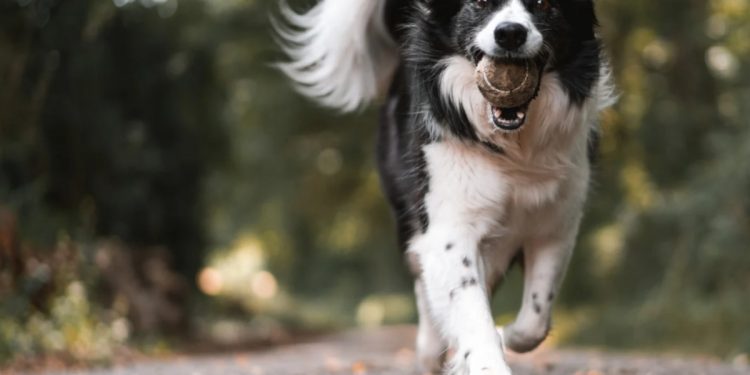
523,339
487,360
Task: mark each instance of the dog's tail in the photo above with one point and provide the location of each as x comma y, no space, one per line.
341,52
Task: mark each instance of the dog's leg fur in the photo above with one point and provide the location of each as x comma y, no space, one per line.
431,349
465,192
546,256
545,262
458,301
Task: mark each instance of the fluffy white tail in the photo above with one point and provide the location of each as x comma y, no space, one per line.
341,53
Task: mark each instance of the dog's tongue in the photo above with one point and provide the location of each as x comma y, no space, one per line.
507,83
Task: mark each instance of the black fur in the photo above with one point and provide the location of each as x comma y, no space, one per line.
401,161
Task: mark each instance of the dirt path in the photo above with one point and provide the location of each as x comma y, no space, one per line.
389,352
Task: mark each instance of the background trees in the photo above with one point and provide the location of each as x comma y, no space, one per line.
152,135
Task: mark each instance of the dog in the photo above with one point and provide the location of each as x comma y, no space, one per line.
474,187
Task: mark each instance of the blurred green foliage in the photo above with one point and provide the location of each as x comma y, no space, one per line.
71,323
161,125
672,251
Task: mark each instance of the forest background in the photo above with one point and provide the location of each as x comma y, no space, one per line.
160,180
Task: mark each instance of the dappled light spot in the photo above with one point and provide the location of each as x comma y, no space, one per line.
658,53
264,285
722,62
359,368
237,272
210,281
379,309
609,243
370,313
120,329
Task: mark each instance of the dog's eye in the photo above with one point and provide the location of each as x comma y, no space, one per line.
481,3
543,5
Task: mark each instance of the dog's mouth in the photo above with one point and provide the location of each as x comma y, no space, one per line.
509,119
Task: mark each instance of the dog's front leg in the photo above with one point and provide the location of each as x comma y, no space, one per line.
545,263
452,275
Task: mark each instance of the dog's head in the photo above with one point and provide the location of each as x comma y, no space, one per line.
523,29
549,32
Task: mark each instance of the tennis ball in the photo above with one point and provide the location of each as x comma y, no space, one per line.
507,83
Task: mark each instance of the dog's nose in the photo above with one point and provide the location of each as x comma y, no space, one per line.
510,35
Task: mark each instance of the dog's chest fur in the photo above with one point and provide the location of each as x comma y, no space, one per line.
540,176
501,198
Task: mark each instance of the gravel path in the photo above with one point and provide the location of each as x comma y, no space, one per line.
389,352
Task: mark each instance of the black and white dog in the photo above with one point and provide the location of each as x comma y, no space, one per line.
473,186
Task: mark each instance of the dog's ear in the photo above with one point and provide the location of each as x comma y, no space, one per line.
581,15
442,11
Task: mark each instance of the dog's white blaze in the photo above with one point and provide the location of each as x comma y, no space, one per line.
513,11
341,53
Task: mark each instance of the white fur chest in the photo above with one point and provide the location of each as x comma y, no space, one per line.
544,168
468,183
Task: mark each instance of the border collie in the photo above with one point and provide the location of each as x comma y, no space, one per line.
473,187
